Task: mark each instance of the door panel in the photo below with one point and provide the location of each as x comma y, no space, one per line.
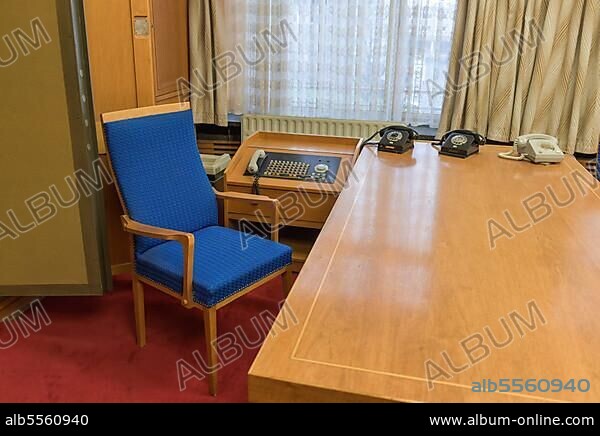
110,47
51,218
171,57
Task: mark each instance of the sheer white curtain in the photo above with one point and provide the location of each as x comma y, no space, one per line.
349,59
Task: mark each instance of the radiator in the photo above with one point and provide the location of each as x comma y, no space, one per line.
311,126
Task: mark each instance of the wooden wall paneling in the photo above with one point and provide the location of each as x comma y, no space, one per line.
112,68
138,50
160,41
141,16
114,88
171,47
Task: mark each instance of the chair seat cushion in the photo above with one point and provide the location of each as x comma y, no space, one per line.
225,263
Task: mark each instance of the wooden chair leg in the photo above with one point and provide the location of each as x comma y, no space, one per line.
287,282
210,336
140,314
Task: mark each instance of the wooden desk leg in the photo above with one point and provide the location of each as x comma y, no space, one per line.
288,281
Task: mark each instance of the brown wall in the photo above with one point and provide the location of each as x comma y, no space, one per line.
133,70
110,47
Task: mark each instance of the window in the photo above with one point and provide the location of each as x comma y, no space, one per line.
348,59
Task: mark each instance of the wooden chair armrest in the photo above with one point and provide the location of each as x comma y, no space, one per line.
140,229
187,240
274,204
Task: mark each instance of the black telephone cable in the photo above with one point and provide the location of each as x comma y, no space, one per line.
256,185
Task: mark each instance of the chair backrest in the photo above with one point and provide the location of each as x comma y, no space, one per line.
158,170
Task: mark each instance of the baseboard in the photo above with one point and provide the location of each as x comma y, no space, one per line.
10,305
123,268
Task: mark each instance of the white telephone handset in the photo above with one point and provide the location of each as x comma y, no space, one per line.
253,165
537,148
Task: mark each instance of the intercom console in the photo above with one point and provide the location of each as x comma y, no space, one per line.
309,168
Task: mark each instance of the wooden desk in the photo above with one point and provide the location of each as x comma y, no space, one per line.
403,271
305,206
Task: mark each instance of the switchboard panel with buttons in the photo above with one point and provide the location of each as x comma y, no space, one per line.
320,169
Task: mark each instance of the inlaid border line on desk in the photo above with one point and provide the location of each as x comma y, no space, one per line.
376,372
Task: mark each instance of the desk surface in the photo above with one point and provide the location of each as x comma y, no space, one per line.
403,272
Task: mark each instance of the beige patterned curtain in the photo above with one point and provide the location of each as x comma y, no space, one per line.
209,93
526,66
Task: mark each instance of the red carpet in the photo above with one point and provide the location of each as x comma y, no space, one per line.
88,352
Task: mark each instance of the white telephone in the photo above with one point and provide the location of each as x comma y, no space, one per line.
253,165
537,148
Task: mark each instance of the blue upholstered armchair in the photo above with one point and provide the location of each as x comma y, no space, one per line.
171,213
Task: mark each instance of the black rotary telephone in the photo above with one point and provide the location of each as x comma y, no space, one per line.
461,143
397,139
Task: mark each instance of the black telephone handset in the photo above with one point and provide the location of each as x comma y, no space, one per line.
397,139
461,143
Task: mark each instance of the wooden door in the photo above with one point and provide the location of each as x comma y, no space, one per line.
52,228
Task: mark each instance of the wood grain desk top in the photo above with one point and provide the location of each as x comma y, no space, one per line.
403,272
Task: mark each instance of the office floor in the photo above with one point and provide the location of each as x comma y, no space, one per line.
88,352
